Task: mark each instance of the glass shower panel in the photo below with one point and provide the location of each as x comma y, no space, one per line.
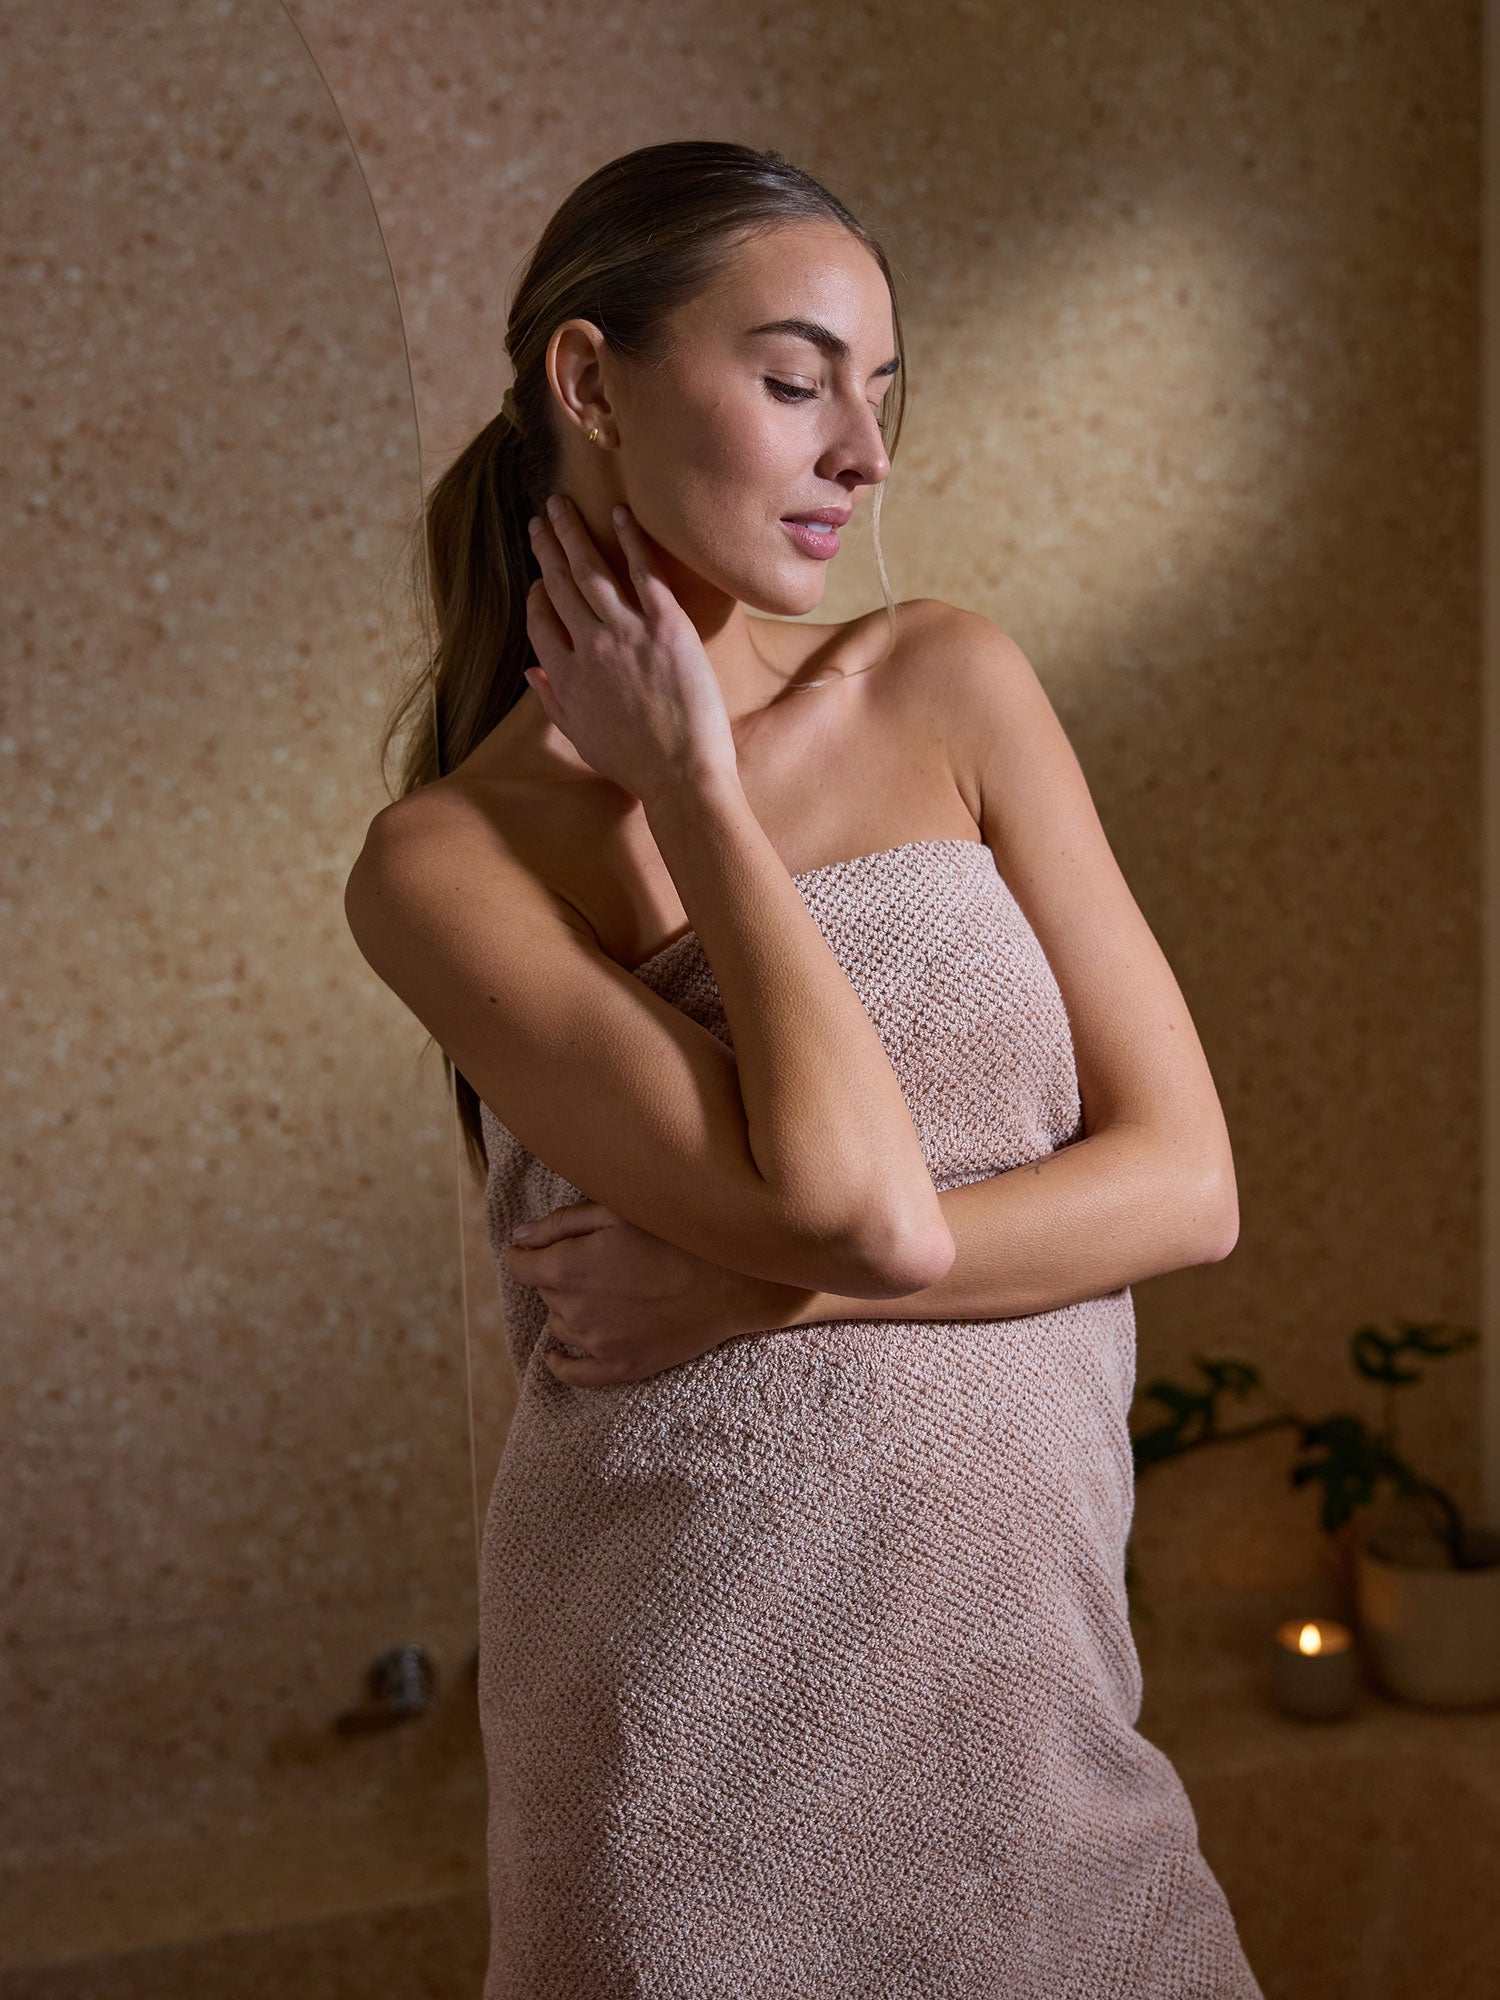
238,1522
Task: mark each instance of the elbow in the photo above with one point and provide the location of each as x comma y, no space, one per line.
901,1258
1228,1237
1221,1202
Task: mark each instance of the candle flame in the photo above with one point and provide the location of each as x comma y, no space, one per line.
1309,1640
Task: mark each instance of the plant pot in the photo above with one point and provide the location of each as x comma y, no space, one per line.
1430,1632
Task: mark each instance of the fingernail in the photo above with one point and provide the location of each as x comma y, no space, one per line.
554,506
618,512
520,1233
534,524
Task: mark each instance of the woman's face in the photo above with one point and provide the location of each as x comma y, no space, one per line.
738,429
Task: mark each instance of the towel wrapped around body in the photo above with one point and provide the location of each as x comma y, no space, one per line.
805,1667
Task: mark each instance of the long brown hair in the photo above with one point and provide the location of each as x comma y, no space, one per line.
629,246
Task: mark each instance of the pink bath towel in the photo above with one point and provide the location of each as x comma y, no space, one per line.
805,1666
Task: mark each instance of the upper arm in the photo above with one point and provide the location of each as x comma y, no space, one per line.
1138,1056
614,1089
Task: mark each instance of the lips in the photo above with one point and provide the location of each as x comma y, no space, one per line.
816,532
834,517
818,542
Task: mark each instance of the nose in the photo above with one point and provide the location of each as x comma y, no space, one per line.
862,450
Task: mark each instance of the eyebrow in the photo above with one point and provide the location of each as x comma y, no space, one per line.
823,338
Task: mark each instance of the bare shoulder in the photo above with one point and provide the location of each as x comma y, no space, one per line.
945,648
413,831
958,679
448,835
903,662
442,808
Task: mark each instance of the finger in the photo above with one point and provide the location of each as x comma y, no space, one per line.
650,587
550,641
565,1354
537,1268
586,1371
592,576
578,1372
574,1218
569,605
543,1263
536,679
541,616
550,708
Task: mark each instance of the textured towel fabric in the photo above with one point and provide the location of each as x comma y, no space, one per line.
805,1666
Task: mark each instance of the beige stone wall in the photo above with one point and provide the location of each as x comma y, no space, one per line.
1190,297
233,1378
1191,308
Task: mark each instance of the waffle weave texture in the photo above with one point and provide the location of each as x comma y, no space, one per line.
805,1666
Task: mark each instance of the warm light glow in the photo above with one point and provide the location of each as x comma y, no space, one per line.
1178,471
1312,1638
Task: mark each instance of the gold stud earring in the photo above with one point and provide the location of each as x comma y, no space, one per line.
593,433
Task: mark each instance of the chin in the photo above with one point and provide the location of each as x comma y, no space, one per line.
783,588
786,597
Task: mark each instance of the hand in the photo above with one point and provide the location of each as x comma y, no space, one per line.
634,1303
628,684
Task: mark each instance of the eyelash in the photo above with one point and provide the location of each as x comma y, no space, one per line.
790,393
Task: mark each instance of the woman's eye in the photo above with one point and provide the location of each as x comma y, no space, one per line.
788,392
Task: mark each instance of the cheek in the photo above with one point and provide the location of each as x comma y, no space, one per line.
740,475
715,483
739,443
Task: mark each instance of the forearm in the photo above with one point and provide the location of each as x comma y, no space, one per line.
1110,1210
826,1122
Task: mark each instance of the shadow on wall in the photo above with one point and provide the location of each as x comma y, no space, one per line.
235,1361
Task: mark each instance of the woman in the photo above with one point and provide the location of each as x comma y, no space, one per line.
805,1665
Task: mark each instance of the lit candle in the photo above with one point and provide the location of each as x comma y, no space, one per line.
1314,1667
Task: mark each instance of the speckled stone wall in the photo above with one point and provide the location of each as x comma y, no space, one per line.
1191,303
1190,298
236,1464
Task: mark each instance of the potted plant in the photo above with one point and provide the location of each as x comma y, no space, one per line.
1427,1582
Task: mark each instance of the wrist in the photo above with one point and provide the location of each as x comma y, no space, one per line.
748,1304
779,1305
683,799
